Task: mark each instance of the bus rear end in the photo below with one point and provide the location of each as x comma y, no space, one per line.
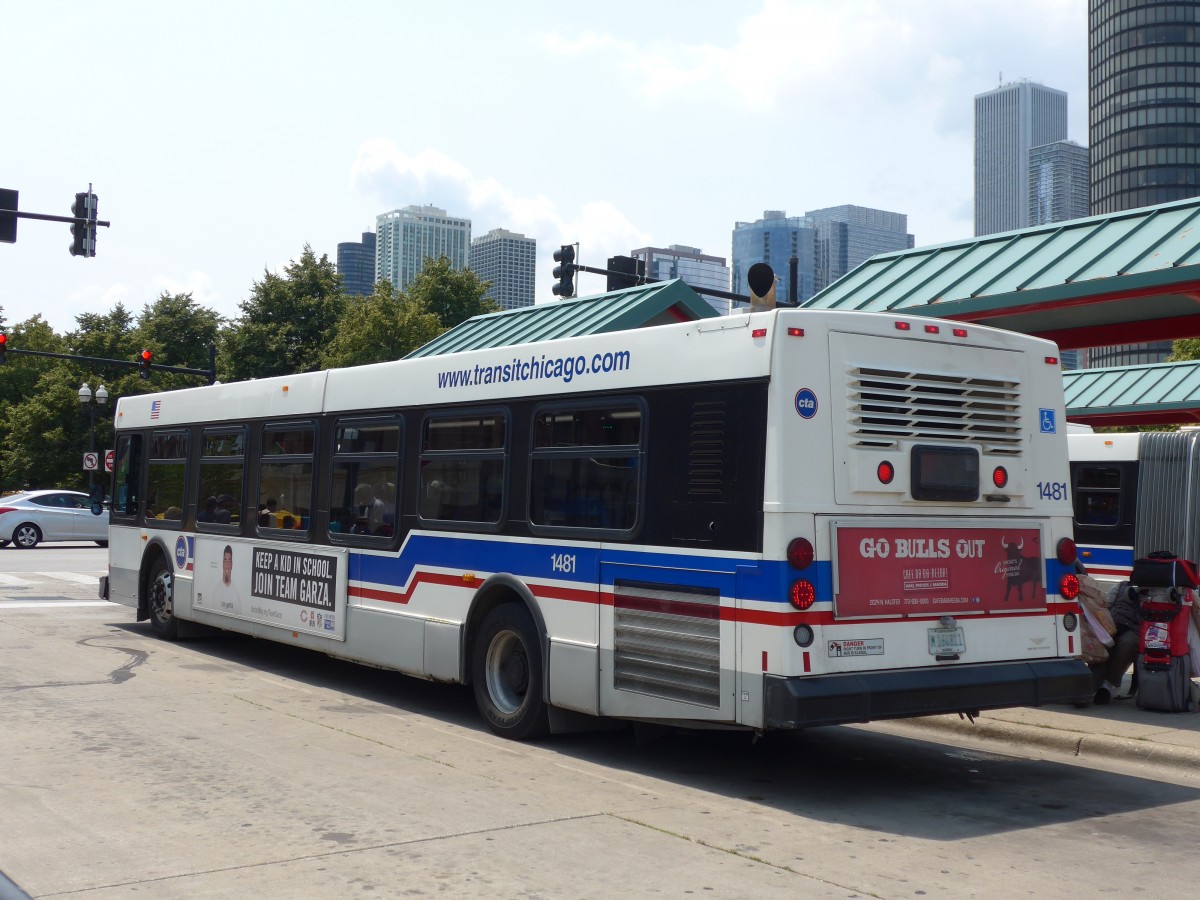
917,518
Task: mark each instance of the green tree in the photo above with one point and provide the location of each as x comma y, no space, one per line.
452,295
385,326
285,323
1184,350
179,332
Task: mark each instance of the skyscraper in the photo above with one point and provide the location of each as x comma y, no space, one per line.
689,263
1008,122
1058,182
1143,102
508,261
406,237
356,265
774,239
850,235
1143,119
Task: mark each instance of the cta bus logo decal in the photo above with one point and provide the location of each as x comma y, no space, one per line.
806,403
185,553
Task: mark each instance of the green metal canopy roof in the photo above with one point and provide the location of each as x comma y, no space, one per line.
1121,278
660,303
1163,393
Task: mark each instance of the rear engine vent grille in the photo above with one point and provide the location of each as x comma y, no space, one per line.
667,642
890,405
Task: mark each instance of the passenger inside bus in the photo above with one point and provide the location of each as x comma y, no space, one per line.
368,510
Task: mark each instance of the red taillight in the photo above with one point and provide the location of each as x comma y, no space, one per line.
800,553
802,595
1000,477
1068,586
7,509
885,472
1066,552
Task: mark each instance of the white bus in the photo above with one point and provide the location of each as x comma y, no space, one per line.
1134,493
768,521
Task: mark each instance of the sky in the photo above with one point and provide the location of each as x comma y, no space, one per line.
223,137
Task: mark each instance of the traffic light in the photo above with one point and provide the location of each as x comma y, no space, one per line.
145,358
83,234
625,272
3,346
564,271
8,216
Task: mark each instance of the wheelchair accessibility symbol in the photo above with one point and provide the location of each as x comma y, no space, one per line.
1048,424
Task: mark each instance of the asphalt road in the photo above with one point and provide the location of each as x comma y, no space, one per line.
228,767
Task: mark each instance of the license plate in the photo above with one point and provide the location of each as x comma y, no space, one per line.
946,640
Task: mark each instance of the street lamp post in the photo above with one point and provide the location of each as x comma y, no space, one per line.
91,403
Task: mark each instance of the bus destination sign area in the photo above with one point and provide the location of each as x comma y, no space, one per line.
297,590
888,571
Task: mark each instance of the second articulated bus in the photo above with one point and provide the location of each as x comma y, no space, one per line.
770,521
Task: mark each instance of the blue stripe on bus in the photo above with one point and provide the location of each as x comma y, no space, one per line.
762,581
1106,556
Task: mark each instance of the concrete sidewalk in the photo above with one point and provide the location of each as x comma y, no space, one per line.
1117,730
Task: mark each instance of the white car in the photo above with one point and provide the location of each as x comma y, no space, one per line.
30,517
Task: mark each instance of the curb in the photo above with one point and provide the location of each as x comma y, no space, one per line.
1076,743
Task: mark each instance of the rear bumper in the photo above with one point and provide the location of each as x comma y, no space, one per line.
799,702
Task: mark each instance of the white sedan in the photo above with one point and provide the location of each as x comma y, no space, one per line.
30,517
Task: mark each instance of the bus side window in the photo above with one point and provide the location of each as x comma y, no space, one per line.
1097,495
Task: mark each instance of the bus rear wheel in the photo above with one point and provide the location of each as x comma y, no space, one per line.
506,673
160,602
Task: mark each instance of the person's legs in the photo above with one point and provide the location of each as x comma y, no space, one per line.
1120,657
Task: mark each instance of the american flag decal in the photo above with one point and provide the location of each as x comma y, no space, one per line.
155,408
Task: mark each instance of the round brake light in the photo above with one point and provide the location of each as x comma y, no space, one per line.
800,553
1068,586
1000,477
802,595
885,472
1066,552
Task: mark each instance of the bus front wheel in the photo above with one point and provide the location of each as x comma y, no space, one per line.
160,602
506,672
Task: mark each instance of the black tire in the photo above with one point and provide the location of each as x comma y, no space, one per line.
506,673
160,601
101,543
4,544
27,535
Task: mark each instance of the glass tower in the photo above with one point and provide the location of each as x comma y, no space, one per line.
1144,101
1144,118
848,236
508,261
1058,183
356,265
406,237
690,264
774,239
1008,122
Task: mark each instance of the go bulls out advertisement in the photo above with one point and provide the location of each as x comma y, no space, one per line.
938,571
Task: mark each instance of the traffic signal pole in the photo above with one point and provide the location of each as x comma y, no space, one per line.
141,363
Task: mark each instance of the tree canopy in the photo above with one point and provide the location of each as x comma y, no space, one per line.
295,321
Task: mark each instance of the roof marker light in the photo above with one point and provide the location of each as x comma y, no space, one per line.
960,332
902,326
932,329
1052,360
758,332
795,332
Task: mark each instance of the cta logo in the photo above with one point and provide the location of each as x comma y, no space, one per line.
180,552
806,403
